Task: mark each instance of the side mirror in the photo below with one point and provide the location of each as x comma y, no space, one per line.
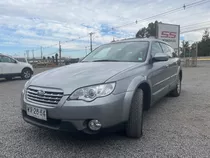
160,57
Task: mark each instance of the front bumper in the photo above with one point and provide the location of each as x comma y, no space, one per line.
74,115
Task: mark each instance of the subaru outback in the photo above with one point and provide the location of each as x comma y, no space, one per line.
111,86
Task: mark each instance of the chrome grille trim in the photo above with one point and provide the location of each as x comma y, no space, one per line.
44,97
50,96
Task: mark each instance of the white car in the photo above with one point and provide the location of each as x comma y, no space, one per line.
10,67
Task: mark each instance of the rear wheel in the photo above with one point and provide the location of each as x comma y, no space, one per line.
176,92
26,74
135,122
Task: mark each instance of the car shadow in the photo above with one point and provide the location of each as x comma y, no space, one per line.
14,79
75,138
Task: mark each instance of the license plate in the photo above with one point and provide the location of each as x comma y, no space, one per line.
38,113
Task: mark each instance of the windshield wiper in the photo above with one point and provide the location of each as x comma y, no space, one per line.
104,60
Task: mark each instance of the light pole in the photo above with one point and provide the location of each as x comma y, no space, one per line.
91,41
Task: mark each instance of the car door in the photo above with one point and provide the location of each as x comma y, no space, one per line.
16,66
159,75
172,63
174,66
8,64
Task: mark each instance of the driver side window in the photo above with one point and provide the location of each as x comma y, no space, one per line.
156,48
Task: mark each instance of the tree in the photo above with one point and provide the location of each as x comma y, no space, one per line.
44,58
148,31
205,35
142,33
204,45
151,29
185,49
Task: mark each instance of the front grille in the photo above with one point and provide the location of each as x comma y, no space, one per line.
44,95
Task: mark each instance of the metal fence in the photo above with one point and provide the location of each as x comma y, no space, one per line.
190,56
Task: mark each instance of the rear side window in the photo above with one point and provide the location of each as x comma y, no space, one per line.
166,50
156,48
5,59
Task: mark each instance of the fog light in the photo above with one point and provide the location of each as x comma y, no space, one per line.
94,125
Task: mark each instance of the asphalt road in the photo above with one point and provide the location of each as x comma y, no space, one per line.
175,127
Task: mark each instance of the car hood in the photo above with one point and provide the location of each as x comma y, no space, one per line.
74,76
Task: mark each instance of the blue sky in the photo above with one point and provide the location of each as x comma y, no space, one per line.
28,25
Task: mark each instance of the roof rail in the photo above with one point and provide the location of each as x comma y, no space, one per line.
151,37
128,38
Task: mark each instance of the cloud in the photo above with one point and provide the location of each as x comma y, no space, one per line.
193,37
31,24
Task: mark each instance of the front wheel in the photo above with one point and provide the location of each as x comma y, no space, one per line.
26,74
176,92
135,122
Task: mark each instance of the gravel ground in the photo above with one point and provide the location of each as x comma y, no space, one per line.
175,127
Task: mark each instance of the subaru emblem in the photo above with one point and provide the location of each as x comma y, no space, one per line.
41,92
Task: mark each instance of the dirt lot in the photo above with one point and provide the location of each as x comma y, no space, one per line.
175,127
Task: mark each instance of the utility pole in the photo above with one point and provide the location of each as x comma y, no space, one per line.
196,55
27,55
91,41
33,55
41,52
59,53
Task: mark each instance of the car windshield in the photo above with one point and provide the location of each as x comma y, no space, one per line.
121,52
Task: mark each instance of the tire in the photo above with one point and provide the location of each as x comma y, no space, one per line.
26,74
9,78
135,123
177,91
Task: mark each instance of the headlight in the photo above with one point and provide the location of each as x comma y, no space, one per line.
25,86
92,92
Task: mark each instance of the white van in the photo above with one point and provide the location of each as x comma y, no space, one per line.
10,67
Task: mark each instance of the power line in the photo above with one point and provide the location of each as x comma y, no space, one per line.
189,28
80,37
191,25
167,12
185,17
50,46
197,29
